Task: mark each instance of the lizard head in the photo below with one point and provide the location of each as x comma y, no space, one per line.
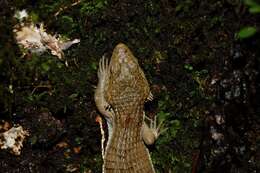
125,74
123,64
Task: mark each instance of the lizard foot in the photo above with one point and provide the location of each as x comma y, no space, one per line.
150,131
103,76
157,130
103,69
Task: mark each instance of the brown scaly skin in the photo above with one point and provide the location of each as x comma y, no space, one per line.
120,95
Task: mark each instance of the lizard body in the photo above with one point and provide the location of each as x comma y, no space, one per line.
120,96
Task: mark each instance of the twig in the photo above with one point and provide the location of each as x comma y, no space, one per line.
64,8
41,86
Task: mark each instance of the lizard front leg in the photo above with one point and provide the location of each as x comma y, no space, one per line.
103,77
103,107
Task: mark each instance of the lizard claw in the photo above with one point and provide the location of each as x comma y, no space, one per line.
150,97
156,130
103,67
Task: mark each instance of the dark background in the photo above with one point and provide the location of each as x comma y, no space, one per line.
195,54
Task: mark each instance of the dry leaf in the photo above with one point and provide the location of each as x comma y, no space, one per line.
62,144
77,150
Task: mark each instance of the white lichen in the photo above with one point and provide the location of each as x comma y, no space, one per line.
21,14
219,119
29,37
12,139
35,38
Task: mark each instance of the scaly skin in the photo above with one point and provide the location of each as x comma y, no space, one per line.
120,95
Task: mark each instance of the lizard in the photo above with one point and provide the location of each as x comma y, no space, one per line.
120,95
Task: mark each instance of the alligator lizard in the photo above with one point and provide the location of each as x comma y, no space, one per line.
120,96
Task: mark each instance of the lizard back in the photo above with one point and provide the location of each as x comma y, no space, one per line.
126,92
